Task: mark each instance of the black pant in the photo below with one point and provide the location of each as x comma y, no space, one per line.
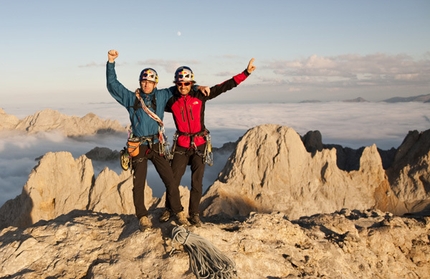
140,170
181,159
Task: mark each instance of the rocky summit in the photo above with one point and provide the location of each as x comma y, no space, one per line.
284,206
344,244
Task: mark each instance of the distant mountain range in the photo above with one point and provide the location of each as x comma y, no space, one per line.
419,98
356,100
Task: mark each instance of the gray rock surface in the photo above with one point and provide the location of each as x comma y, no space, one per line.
271,170
345,244
50,120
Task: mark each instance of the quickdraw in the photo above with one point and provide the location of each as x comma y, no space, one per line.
208,156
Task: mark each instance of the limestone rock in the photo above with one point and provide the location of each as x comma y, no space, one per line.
345,244
56,186
60,184
49,120
271,170
8,122
102,154
410,173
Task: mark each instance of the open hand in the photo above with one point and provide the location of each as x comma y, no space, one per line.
205,90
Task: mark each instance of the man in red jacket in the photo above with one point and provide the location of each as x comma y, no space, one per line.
188,109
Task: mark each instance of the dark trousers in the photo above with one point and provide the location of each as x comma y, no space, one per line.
181,159
140,170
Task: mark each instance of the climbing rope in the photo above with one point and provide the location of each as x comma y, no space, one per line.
206,260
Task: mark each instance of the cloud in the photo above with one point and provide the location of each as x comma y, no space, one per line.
374,76
352,70
92,65
226,73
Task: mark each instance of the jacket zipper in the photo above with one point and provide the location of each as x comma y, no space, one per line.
191,112
182,114
187,116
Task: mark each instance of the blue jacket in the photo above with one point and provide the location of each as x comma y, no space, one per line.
141,123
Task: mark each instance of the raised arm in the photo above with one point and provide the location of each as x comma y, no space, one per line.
121,94
251,67
233,82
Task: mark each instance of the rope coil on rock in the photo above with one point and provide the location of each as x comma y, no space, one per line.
206,261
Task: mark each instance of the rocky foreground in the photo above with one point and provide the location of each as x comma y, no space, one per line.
284,206
344,244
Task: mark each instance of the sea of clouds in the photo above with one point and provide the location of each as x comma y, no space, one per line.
349,124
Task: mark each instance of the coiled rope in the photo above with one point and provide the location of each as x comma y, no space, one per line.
206,260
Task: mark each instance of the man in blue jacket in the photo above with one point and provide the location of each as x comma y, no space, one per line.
145,106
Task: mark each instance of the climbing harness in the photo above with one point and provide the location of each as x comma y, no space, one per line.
206,260
206,155
133,143
164,148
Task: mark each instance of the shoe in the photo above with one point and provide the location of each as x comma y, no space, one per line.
165,216
144,223
195,220
182,220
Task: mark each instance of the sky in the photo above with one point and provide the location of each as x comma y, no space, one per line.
352,125
53,53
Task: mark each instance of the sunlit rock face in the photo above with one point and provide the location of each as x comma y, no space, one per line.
52,120
271,170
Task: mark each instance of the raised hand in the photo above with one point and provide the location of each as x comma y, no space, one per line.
251,66
112,55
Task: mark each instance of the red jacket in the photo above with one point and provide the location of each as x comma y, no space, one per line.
189,110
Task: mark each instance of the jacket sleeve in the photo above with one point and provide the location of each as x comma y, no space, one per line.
164,95
228,84
121,94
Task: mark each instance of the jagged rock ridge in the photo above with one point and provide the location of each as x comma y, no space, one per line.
49,120
271,170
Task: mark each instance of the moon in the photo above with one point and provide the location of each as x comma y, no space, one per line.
179,33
